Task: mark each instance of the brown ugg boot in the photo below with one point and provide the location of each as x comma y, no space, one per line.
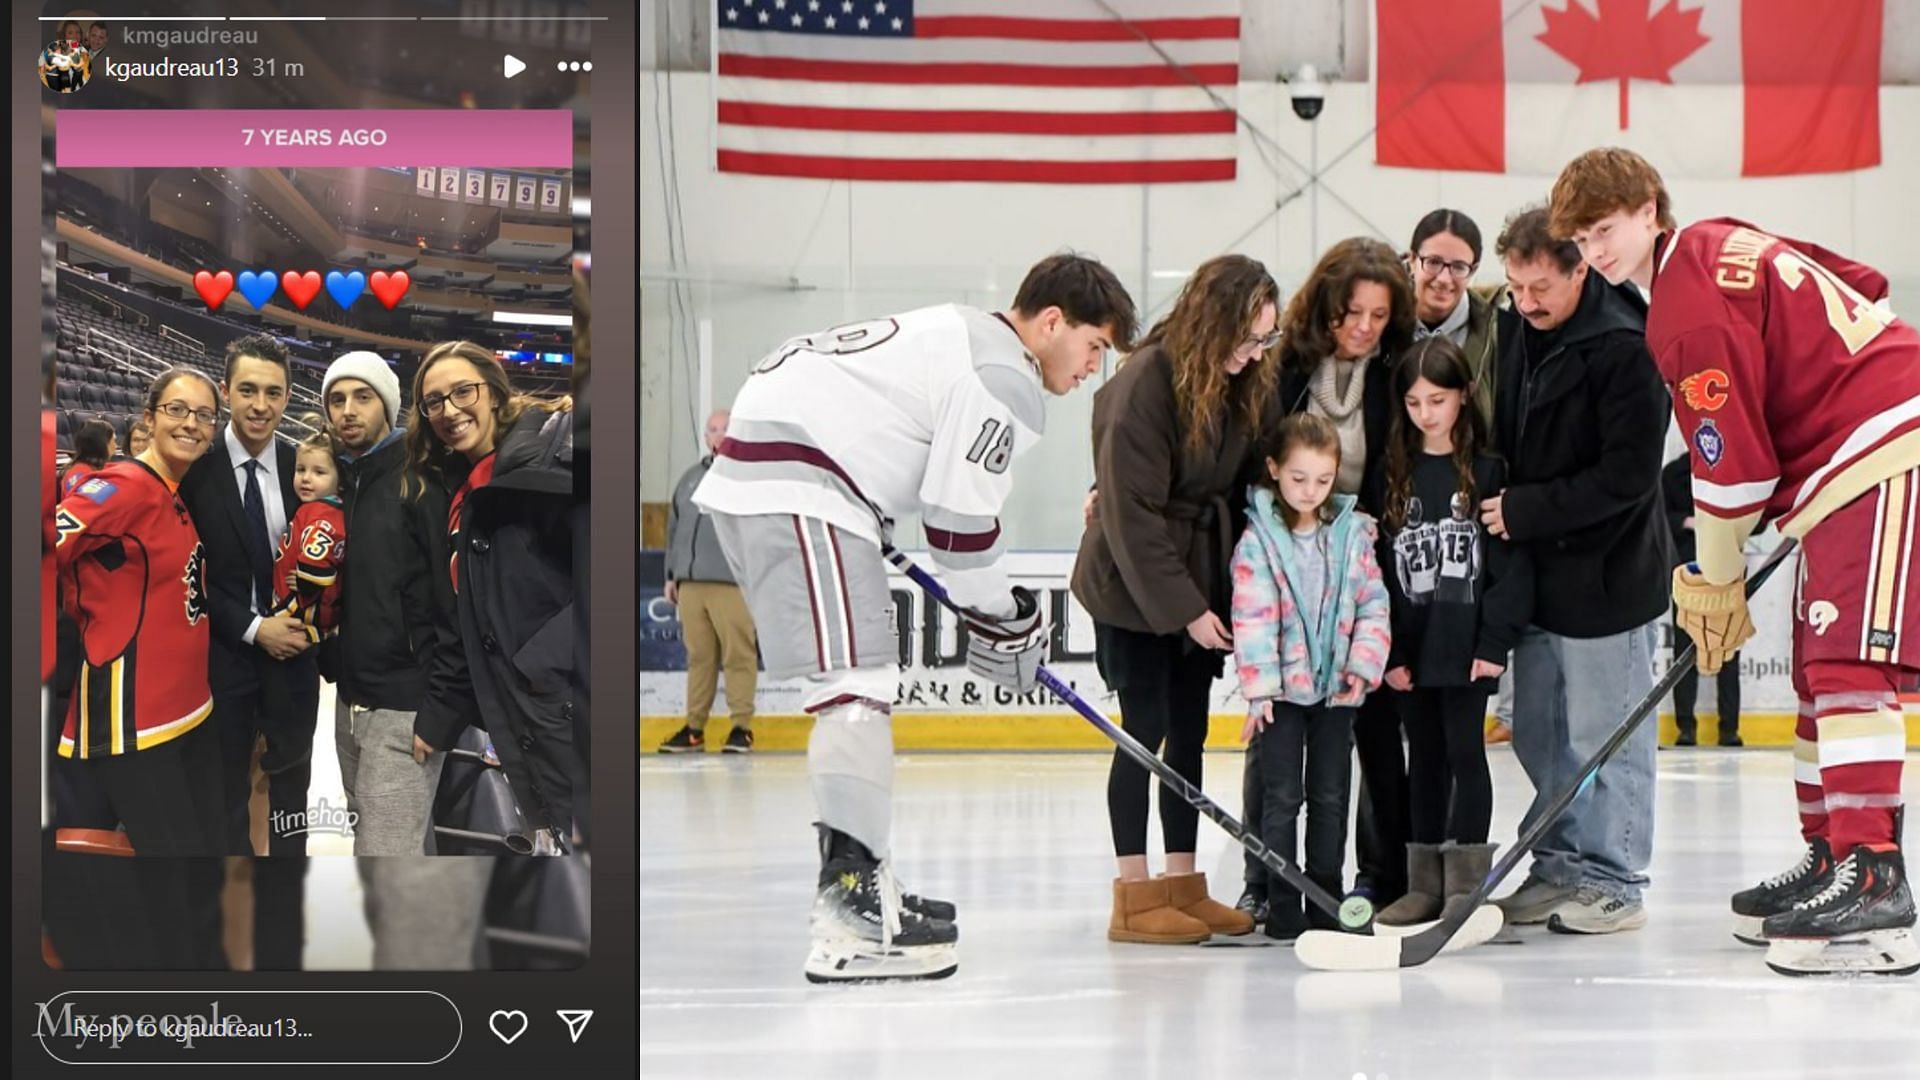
1142,914
1426,888
1188,892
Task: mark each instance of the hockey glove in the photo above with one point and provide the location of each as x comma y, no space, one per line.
1008,651
1714,616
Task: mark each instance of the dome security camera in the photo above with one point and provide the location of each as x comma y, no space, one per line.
1308,93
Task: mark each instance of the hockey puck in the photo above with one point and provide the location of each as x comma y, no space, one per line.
1356,913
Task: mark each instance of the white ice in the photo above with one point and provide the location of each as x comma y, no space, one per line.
1020,842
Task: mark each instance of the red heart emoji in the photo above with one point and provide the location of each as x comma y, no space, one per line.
214,288
389,288
301,288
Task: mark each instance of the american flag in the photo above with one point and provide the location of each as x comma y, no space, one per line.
1039,91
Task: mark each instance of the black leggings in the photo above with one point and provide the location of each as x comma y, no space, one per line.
1164,682
1381,845
1450,790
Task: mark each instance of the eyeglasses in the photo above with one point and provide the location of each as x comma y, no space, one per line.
1258,344
1435,265
179,411
462,395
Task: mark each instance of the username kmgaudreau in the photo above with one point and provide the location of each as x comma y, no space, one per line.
205,35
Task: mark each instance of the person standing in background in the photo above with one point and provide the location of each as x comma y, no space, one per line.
1676,488
714,621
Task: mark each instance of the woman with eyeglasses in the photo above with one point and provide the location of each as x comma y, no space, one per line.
1444,254
133,575
508,458
1174,443
1344,327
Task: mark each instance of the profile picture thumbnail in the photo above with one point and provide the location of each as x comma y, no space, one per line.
65,65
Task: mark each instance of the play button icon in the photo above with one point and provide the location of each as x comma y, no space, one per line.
513,65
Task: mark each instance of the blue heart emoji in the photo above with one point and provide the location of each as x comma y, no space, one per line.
345,288
258,288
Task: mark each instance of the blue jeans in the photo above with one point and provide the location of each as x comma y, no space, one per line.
1570,694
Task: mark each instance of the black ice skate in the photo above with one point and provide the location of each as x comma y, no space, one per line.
861,930
1861,923
924,906
1779,893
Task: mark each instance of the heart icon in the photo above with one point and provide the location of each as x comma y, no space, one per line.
257,288
503,1021
301,288
345,288
213,288
389,288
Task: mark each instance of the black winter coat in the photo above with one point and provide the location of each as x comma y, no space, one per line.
514,560
1581,419
396,605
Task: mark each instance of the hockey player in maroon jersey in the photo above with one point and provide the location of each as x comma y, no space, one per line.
134,581
1799,393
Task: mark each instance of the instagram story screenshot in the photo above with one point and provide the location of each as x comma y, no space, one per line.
323,628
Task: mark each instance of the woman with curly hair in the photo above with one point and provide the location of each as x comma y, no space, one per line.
1174,438
1342,332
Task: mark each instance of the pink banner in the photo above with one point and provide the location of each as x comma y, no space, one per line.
205,138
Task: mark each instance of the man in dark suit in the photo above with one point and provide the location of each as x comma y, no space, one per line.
263,675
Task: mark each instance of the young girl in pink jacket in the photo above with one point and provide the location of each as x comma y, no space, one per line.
1311,634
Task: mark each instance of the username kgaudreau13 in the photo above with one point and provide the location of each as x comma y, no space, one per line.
222,67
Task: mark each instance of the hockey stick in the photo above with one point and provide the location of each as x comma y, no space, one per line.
1336,952
1355,915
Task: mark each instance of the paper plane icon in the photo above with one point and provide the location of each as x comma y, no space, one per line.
576,1020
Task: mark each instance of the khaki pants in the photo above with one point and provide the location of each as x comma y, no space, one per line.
719,633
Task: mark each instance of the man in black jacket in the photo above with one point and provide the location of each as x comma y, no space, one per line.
392,584
1581,417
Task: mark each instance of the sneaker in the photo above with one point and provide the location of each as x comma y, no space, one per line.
1686,732
1594,912
739,741
684,741
1533,901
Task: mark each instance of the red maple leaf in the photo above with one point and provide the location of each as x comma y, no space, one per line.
1625,42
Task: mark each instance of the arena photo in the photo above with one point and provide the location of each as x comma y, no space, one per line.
1355,538
300,416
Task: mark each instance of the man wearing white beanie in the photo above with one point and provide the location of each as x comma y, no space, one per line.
395,598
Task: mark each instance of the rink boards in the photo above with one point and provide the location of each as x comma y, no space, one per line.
941,706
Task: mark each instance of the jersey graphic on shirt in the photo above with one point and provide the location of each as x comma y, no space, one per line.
1438,560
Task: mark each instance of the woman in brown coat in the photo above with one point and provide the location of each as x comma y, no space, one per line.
1173,440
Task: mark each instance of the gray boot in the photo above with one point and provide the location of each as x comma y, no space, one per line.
1467,865
1425,883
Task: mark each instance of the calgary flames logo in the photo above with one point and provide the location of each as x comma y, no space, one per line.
1705,391
196,594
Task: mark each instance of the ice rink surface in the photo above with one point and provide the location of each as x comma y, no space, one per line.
1020,842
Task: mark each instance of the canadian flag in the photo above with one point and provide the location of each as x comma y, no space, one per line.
1699,87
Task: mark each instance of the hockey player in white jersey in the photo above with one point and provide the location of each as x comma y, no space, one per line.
833,438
